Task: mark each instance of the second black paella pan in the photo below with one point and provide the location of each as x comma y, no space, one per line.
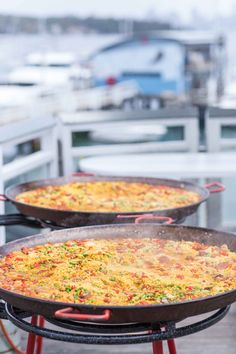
69,218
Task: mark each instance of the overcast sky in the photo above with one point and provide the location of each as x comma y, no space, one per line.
121,8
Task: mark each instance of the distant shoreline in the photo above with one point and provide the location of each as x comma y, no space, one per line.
10,24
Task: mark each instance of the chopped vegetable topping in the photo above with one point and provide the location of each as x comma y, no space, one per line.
108,196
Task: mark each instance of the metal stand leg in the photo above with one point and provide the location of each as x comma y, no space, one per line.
171,346
39,339
35,343
157,347
32,337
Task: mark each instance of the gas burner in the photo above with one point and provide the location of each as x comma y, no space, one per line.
50,225
20,219
92,333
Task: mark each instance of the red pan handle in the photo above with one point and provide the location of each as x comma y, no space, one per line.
219,187
73,314
141,217
3,198
167,219
82,174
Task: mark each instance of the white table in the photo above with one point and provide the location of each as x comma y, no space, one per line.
171,165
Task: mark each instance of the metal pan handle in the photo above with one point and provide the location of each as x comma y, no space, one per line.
3,198
138,218
83,174
73,314
218,187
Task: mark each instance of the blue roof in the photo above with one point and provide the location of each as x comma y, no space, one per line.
184,38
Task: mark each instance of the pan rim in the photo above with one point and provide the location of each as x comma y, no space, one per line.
121,307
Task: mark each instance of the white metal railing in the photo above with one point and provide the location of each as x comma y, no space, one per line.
216,120
217,143
44,129
116,121
26,164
